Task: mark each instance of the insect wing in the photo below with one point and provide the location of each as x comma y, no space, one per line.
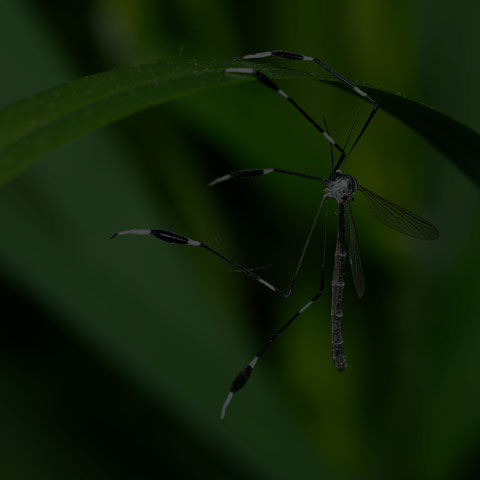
399,218
354,254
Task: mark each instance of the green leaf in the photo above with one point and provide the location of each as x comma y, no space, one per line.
457,141
33,127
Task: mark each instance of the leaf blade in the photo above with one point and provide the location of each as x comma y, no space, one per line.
34,127
455,140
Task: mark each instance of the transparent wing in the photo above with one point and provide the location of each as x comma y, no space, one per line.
354,254
399,218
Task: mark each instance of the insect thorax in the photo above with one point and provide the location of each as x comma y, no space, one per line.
340,186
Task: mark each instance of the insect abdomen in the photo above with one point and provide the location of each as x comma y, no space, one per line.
338,282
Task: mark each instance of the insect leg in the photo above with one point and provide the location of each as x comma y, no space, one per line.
242,378
296,56
262,78
255,172
171,237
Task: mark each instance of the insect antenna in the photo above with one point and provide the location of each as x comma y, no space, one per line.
351,129
331,148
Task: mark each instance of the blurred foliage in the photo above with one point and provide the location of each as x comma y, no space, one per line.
117,356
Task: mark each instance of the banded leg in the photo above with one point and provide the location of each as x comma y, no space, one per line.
295,56
171,237
255,172
242,378
262,78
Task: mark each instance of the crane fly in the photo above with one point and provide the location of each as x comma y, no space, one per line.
338,186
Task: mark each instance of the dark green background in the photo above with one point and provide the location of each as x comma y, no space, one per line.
116,357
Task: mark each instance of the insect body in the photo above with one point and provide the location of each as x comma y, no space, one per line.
338,186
